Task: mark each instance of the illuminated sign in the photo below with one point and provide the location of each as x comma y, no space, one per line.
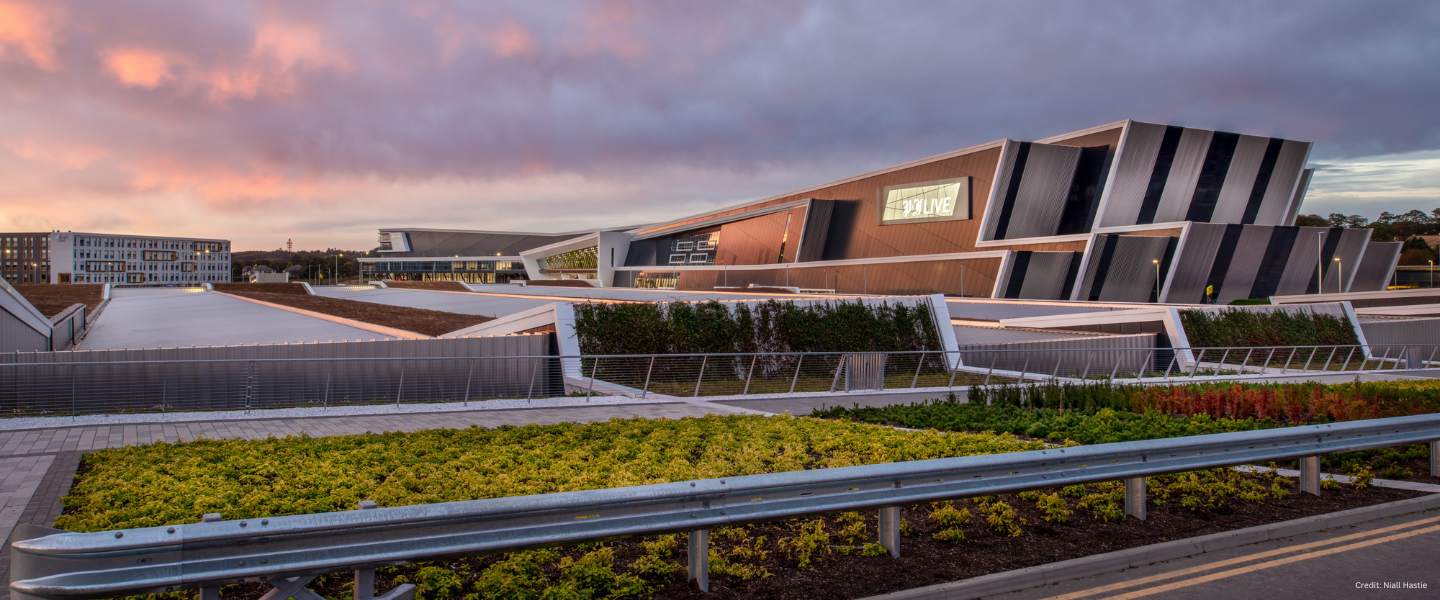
946,200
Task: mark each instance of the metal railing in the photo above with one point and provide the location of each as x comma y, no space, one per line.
290,551
73,388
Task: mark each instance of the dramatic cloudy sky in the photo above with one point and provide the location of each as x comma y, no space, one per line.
323,120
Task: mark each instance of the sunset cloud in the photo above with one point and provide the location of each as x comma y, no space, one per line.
28,32
327,120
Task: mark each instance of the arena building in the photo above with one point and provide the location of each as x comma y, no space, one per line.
1124,212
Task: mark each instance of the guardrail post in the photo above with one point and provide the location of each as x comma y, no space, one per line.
1135,497
1435,458
210,593
365,578
1310,475
699,551
890,530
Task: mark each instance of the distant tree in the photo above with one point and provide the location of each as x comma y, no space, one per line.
1356,221
1335,220
1311,221
1417,251
1380,232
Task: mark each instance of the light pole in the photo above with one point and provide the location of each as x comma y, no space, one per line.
1432,273
1157,278
1339,277
337,268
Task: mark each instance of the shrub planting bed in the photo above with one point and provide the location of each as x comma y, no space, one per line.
1238,327
1106,412
418,320
831,557
52,299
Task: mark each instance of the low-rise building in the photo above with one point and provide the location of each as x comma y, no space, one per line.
25,257
79,257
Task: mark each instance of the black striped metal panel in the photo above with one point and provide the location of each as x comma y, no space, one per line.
1133,166
1193,263
1244,263
1244,166
1299,196
1283,180
1044,187
1046,275
1351,246
1132,275
1184,172
1376,266
1304,262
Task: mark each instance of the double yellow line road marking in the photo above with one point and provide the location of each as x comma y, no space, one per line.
1308,551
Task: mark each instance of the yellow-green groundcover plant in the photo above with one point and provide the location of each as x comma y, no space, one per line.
162,484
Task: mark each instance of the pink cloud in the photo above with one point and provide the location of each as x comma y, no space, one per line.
29,30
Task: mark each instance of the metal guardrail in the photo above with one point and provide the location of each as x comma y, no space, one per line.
289,551
72,388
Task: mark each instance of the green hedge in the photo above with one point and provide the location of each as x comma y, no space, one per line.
1236,327
770,326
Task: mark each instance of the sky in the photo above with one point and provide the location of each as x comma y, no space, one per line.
322,121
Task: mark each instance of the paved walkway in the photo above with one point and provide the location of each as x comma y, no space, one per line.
1345,562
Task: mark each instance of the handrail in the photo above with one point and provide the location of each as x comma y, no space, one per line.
53,564
985,351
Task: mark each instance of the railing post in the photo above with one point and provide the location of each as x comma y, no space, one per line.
593,368
914,380
1312,357
1435,458
468,379
1197,358
1349,356
72,390
1022,370
797,373
645,391
1116,371
699,551
890,530
1089,356
325,402
210,593
835,381
748,374
1286,367
1140,373
1135,497
703,361
1310,475
1221,367
954,369
400,388
534,368
365,578
990,370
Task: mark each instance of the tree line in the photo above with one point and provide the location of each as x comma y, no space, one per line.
313,264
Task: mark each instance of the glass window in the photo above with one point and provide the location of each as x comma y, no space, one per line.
677,259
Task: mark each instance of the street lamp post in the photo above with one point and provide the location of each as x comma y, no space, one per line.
1156,261
1339,277
337,268
1432,273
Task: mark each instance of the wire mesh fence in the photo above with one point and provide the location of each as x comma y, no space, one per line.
247,384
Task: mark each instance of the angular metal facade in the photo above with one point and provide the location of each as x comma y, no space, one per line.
1129,211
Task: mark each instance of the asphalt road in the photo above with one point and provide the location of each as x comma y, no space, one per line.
1357,561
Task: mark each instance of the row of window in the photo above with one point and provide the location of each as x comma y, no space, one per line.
149,255
25,253
455,266
11,265
28,241
91,242
120,265
703,258
147,278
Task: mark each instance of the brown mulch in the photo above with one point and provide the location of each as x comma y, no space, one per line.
924,560
767,290
418,320
53,298
444,286
266,288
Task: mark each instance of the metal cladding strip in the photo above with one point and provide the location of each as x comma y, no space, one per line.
156,559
